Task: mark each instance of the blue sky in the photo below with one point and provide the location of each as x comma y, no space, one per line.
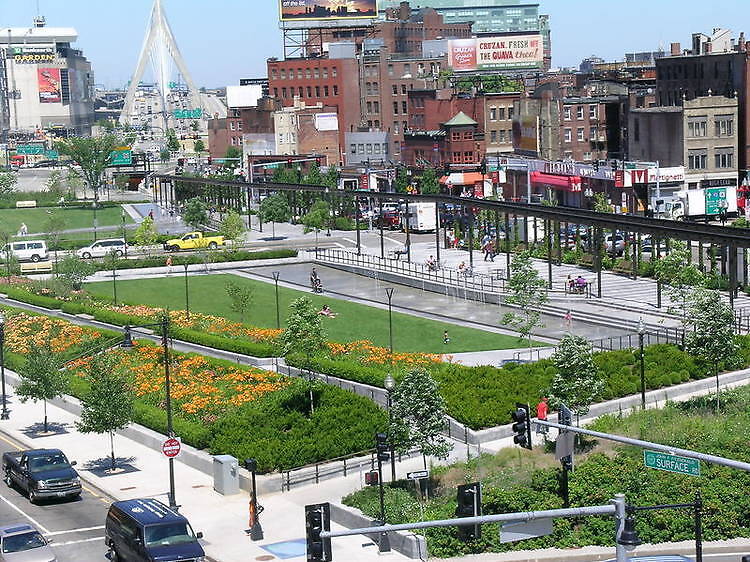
225,40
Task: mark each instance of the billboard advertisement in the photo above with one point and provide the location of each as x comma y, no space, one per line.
243,96
502,52
526,135
49,82
296,10
32,55
326,121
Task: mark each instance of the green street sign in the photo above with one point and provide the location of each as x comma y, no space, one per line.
671,463
716,198
121,157
52,154
187,113
30,149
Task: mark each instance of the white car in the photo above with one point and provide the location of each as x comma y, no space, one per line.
102,248
28,250
24,543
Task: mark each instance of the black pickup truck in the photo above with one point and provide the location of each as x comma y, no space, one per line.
42,474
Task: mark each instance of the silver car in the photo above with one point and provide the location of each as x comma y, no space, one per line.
103,248
23,543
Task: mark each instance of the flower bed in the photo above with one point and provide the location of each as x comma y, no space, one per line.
25,331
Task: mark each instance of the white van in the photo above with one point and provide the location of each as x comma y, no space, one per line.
102,248
30,250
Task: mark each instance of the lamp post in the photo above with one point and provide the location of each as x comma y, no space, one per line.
389,294
390,384
127,342
255,531
641,333
114,277
187,292
124,231
276,275
4,415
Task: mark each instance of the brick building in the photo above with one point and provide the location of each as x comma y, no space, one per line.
308,129
498,121
458,142
223,133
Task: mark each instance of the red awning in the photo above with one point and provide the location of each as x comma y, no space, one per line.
569,183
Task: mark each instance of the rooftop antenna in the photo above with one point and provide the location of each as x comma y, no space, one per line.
39,20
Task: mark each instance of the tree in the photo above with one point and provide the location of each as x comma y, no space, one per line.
680,276
42,377
92,154
402,180
72,271
316,218
528,291
428,183
275,208
196,213
53,226
164,155
173,145
577,382
709,333
55,183
11,262
313,176
304,334
418,416
232,158
241,298
233,228
145,234
331,178
601,205
108,405
7,182
199,146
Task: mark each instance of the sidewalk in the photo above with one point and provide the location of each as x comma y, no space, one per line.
223,519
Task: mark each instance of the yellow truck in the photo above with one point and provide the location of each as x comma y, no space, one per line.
194,241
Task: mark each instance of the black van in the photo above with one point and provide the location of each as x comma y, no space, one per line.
146,530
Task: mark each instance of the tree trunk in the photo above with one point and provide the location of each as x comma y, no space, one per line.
45,416
273,229
717,392
112,448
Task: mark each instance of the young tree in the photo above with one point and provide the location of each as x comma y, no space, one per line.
53,226
173,145
402,180
273,209
196,213
232,158
313,176
577,381
72,271
93,155
55,183
241,298
11,262
7,182
331,177
199,146
528,291
42,377
145,234
316,218
108,405
709,333
233,228
428,183
164,155
680,276
418,416
304,334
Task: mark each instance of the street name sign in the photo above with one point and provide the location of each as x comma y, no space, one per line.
418,474
512,532
671,463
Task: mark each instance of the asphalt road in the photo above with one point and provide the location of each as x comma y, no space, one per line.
76,528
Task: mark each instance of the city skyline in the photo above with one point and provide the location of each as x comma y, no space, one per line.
220,46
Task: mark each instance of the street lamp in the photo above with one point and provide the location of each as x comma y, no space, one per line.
390,384
389,293
127,342
114,277
256,531
276,275
4,415
641,333
187,294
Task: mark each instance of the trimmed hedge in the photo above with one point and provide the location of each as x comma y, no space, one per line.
192,259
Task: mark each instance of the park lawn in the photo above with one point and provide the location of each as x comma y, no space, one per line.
75,217
353,322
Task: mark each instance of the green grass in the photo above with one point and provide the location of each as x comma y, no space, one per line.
354,321
75,217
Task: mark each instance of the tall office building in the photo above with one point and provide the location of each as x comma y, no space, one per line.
489,16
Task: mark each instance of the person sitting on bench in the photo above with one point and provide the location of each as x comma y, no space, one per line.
398,253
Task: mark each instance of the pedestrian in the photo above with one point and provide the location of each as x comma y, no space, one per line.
24,230
151,214
446,339
493,251
568,318
169,265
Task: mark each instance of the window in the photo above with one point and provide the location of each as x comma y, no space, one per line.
376,148
697,126
407,68
468,157
376,107
395,108
566,113
325,91
404,107
282,74
334,72
299,74
501,113
580,134
697,159
309,91
353,149
231,125
493,114
308,73
369,148
300,91
395,89
335,90
468,135
390,70
493,136
568,135
377,123
395,127
283,92
592,112
385,148
579,112
317,91
456,158
316,73
724,157
404,125
274,74
403,89
376,89
455,136
510,113
361,148
502,135
724,126
325,72
587,156
594,133
369,107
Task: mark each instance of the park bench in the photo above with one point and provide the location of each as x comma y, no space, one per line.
25,204
396,254
36,267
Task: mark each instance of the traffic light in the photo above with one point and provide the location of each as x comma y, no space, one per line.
446,169
318,519
596,165
522,426
210,160
382,447
483,167
469,504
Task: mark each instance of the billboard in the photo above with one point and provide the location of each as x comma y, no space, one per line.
32,55
502,52
526,135
244,96
326,121
49,82
296,10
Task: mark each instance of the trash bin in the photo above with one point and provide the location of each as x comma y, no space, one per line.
226,475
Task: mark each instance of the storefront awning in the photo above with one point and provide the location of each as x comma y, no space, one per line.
464,178
568,183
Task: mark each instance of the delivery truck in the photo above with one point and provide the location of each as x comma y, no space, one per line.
695,204
421,217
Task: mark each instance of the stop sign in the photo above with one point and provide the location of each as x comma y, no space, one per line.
171,447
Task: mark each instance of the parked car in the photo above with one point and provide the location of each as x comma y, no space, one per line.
619,244
101,248
145,530
194,241
29,250
42,474
24,543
